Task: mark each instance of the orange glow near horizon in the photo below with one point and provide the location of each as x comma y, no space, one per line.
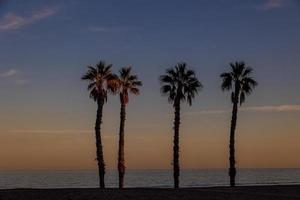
263,141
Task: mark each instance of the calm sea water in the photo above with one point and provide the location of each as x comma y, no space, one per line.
145,178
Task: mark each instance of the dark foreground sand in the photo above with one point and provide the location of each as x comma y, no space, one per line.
216,193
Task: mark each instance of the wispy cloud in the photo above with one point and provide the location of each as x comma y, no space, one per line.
52,131
9,73
271,4
12,21
100,29
104,29
278,108
21,82
14,76
206,112
60,131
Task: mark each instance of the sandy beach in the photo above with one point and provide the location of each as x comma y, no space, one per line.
216,193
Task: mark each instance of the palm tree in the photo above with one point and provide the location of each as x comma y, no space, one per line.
127,83
180,84
239,81
101,81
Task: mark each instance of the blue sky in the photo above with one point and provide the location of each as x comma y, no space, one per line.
55,40
45,46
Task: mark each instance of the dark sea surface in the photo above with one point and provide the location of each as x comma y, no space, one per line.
145,178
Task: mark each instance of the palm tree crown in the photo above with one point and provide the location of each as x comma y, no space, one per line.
127,83
180,84
238,80
101,80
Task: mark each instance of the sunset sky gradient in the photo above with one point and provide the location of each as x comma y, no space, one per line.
47,119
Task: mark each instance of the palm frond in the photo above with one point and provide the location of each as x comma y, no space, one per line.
180,84
227,81
127,83
134,90
239,81
137,83
248,71
167,79
98,78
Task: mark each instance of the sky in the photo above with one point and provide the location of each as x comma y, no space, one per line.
47,118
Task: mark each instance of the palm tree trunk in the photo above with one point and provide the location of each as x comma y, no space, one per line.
100,159
176,169
121,160
232,169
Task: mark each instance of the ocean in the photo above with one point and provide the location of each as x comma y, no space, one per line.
145,178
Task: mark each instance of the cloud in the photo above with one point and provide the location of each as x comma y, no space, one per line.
278,108
11,21
9,73
14,76
206,112
271,4
103,29
100,29
52,131
60,131
21,82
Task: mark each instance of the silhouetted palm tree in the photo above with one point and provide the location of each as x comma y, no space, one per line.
239,81
180,84
127,83
101,81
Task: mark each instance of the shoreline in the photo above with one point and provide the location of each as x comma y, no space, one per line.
159,188
274,192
